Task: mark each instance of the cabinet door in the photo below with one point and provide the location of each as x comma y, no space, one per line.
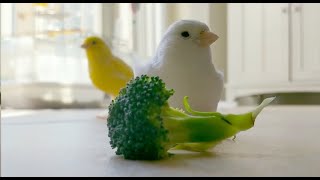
305,41
258,43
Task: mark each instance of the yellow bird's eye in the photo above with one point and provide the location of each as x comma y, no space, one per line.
94,42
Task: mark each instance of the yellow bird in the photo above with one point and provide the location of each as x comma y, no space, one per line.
107,72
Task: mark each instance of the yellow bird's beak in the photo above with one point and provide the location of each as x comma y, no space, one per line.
206,38
84,46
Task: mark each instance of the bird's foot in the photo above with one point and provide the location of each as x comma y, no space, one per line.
103,115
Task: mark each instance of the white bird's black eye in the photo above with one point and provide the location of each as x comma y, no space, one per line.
185,34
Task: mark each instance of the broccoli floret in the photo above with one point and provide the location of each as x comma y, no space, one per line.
135,122
143,126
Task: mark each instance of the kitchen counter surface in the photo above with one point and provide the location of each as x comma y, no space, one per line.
72,142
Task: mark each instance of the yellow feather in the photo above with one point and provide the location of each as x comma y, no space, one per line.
107,72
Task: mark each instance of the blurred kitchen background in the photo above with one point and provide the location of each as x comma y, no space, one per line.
264,49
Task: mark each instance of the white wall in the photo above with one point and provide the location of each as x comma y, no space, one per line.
6,21
108,13
218,24
199,11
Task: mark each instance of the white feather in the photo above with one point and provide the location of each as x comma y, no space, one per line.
187,68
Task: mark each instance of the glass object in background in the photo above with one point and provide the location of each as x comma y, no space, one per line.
57,37
133,37
43,65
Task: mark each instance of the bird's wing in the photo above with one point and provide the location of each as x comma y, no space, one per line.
141,69
123,69
219,87
153,67
156,64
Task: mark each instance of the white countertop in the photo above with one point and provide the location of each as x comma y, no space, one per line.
284,142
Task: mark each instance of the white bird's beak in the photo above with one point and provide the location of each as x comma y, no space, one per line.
206,38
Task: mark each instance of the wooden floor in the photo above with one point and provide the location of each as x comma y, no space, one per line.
284,142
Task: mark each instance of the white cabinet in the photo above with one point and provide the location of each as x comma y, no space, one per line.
273,48
306,42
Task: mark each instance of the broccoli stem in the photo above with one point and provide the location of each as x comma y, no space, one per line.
193,112
184,128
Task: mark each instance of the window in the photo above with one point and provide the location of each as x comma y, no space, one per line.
139,28
40,41
40,45
43,65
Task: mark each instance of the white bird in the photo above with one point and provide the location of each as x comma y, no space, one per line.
183,61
